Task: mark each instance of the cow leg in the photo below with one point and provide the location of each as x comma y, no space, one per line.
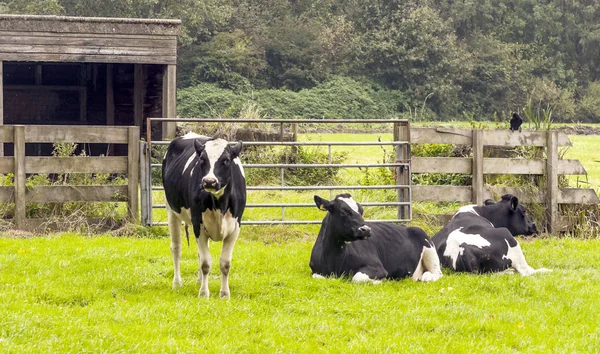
205,262
429,268
518,262
225,261
175,231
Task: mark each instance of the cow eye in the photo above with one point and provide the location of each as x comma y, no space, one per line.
343,213
226,162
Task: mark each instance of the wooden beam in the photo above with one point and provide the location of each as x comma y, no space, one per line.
441,193
71,193
139,89
133,166
552,191
577,196
7,194
169,101
441,165
505,166
1,103
75,134
91,58
571,167
402,133
20,179
477,167
76,164
441,136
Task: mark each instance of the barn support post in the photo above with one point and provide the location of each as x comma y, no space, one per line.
402,133
477,184
552,181
1,102
145,185
20,180
169,101
133,156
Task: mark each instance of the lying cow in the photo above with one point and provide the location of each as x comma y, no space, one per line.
349,246
480,239
204,186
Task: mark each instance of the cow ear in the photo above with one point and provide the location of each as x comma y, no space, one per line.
514,203
360,209
236,149
322,204
198,146
489,202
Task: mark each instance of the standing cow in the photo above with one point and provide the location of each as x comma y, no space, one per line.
349,246
204,186
480,239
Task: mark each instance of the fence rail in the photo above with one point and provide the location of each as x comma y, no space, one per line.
21,165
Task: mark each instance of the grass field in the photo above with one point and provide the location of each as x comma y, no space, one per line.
70,293
73,293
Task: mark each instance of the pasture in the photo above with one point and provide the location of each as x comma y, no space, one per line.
74,293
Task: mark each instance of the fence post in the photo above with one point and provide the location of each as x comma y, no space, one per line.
133,156
20,178
402,133
552,180
145,188
477,184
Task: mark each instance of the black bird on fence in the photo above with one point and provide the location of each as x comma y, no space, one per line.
515,122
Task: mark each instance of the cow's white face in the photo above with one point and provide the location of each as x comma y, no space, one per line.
216,159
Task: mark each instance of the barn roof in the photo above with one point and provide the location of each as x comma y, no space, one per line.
88,39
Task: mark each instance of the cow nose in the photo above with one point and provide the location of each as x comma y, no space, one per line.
209,182
365,231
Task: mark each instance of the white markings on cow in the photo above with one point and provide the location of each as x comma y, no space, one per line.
351,203
214,149
239,163
518,262
317,276
188,162
191,135
467,209
429,268
360,278
219,226
456,238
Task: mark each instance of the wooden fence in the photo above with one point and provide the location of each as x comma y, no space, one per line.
20,165
479,165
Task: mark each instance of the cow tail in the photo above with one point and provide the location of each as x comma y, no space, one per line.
187,234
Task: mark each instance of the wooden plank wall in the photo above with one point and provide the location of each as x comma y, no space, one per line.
21,165
478,166
91,40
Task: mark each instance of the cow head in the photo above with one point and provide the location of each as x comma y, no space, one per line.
345,218
216,159
510,214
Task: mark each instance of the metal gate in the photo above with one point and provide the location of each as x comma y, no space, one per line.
400,167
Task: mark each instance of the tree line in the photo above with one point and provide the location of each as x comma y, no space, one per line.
425,59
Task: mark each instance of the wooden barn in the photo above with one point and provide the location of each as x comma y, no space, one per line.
87,71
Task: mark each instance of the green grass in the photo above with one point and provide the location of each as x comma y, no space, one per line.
67,293
585,149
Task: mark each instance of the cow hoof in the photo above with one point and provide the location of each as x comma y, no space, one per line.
225,295
177,283
204,294
428,276
360,278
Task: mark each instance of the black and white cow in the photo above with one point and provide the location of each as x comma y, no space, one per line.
480,239
204,186
349,246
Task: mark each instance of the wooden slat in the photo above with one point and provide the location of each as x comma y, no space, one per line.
83,40
67,193
577,196
7,165
571,167
19,179
169,101
133,155
552,191
78,50
59,24
75,134
478,167
7,194
514,166
441,193
441,165
524,138
107,164
441,136
524,195
90,58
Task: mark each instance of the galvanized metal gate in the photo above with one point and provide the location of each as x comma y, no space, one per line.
400,166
